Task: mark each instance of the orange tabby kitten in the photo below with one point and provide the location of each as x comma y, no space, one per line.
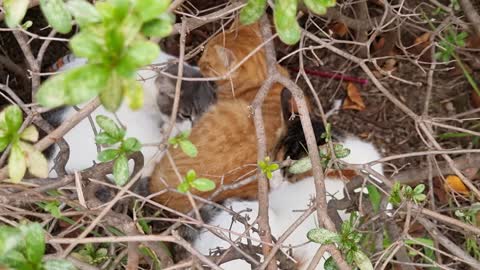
225,134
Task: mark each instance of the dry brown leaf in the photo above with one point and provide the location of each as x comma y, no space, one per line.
454,183
339,29
354,100
424,38
475,99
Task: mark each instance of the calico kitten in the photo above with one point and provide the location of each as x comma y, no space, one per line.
225,134
144,124
285,202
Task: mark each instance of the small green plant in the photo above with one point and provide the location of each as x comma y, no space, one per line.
327,135
113,38
185,144
449,44
112,135
191,181
267,167
304,164
22,153
348,241
284,15
469,216
91,255
23,247
428,249
401,193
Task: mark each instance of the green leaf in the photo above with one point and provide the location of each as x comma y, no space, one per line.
188,148
30,134
109,126
252,11
4,142
57,15
286,22
419,189
134,93
323,236
362,261
300,166
87,44
340,151
83,12
13,118
183,187
114,40
15,10
120,170
319,6
107,155
53,207
150,9
85,82
141,53
16,260
52,92
203,184
112,97
27,25
191,176
56,264
37,164
17,164
330,264
420,198
10,238
35,239
159,27
104,138
131,145
375,197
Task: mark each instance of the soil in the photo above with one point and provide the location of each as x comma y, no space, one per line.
381,121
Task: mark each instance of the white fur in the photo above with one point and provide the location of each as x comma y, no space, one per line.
283,201
144,124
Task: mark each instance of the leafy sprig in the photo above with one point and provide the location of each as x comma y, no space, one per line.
401,193
23,155
304,164
113,135
113,37
284,15
192,181
185,144
23,247
348,240
268,167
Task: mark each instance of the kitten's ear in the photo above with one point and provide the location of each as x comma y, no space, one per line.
289,106
227,57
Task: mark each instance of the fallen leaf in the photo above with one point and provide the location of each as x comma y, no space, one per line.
339,29
424,38
475,99
454,183
420,45
354,100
